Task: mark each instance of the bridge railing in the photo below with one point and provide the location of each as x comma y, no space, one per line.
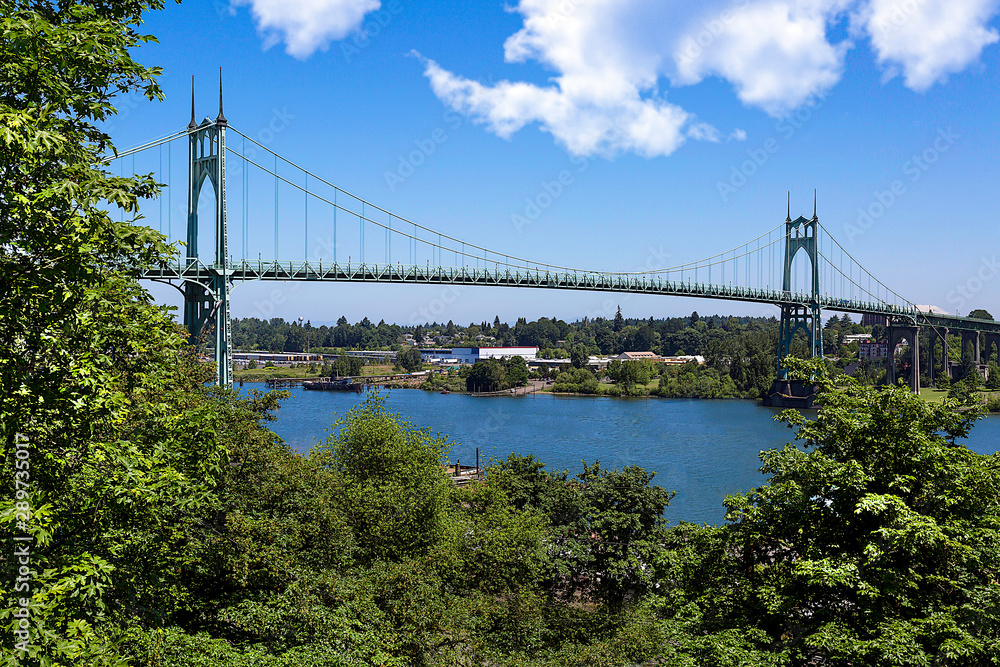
186,268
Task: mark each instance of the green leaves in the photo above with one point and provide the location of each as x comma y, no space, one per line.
877,533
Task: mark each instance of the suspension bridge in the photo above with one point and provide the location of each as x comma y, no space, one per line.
797,265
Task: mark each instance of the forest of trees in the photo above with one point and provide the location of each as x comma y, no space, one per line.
555,338
151,519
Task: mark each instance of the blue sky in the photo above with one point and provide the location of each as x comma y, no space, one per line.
677,128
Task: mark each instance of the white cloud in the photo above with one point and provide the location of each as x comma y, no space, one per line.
306,26
928,39
774,52
609,57
588,123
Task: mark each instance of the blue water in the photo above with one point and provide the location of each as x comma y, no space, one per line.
701,449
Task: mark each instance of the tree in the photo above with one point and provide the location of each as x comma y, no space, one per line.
632,373
981,314
993,381
619,322
605,523
486,375
516,372
871,540
95,385
388,474
409,359
578,356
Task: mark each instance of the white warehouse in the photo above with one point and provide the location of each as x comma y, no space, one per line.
470,355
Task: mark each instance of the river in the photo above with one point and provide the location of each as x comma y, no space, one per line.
700,449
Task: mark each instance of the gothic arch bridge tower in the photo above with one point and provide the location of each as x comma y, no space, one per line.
206,295
800,236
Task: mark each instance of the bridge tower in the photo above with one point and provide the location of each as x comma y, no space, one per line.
206,298
800,235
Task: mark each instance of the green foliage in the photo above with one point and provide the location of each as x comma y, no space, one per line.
942,381
576,381
696,381
486,375
389,481
496,374
993,381
867,546
631,373
409,359
605,525
345,366
123,439
516,372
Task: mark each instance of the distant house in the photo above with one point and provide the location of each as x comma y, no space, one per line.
684,359
639,356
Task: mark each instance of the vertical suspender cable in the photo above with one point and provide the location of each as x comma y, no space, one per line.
305,248
276,207
170,227
335,225
246,204
161,195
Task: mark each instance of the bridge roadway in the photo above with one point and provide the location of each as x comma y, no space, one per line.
246,270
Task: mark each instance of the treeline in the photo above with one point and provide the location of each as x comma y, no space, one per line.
277,335
690,335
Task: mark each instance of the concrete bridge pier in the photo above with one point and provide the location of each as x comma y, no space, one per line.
992,341
971,337
911,334
936,335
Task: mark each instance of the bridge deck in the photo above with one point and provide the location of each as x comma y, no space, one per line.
247,270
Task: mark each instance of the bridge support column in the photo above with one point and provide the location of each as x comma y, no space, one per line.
971,337
992,346
946,354
930,356
207,297
800,234
938,335
911,334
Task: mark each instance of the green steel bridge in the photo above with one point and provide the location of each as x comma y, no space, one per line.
763,270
